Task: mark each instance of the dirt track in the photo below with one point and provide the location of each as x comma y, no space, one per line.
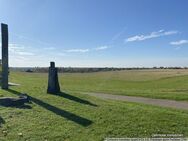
150,101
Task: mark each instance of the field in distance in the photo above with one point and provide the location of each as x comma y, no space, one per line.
164,83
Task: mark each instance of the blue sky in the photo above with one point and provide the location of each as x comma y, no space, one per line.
97,33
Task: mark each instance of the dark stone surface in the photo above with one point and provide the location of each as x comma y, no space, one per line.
53,83
4,34
11,101
52,64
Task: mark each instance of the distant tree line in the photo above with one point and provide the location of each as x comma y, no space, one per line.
84,70
64,69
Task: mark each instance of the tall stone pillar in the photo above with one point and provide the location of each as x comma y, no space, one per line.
53,83
4,34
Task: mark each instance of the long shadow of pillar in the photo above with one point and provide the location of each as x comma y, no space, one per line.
63,113
74,98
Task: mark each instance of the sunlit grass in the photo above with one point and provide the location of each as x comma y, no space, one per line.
76,116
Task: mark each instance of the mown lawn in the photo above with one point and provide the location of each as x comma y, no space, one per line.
73,116
165,84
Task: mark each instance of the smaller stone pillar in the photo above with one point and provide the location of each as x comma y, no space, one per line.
53,83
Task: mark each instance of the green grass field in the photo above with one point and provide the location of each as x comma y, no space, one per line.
73,116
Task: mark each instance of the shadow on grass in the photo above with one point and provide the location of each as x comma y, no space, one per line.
69,116
1,121
20,107
14,102
74,98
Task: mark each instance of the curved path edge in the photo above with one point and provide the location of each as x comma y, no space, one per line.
150,101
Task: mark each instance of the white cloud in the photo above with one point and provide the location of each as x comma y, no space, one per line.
117,36
78,50
170,32
49,48
15,47
86,50
32,40
180,42
25,53
61,54
19,50
102,48
159,33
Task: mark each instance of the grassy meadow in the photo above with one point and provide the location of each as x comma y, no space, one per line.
73,116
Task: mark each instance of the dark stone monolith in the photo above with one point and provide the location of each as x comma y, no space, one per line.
53,83
4,34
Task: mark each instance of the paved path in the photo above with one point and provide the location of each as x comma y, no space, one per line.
156,102
13,84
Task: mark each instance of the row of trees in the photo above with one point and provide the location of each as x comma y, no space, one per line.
84,70
66,70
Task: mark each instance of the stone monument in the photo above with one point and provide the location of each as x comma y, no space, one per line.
4,34
53,83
